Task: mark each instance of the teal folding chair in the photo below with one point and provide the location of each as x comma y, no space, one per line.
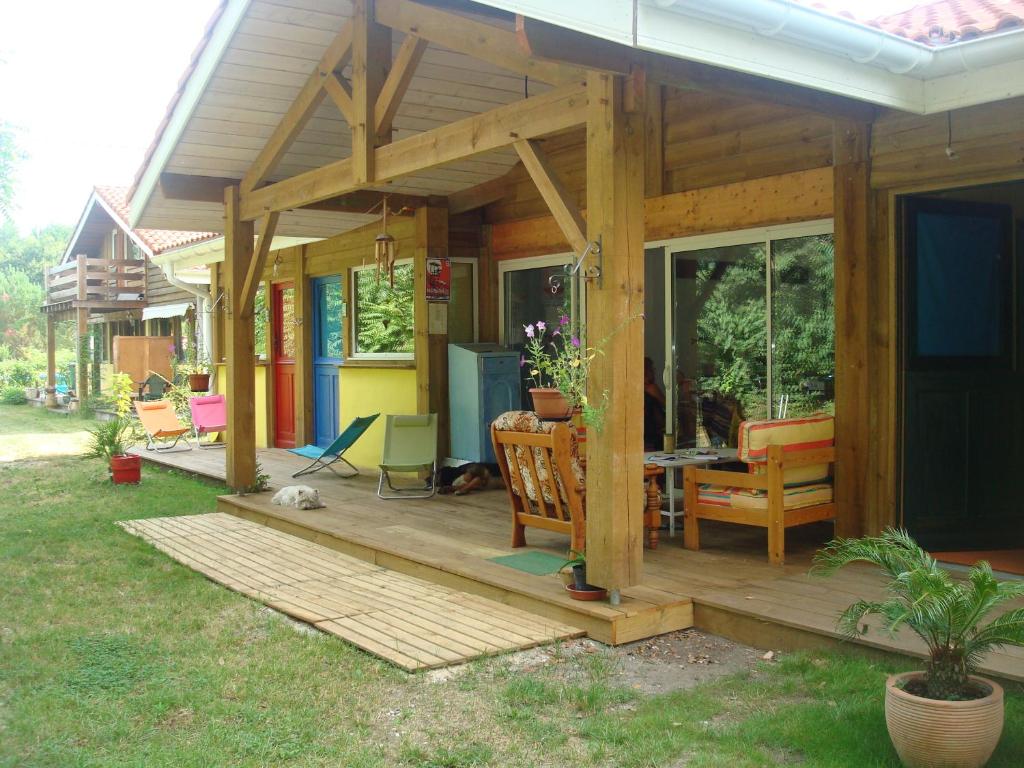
410,445
325,457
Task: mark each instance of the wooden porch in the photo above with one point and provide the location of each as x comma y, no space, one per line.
727,588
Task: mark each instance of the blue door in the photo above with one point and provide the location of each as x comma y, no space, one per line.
328,351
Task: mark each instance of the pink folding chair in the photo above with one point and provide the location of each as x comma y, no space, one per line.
209,415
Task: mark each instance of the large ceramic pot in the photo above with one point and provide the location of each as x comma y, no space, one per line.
929,733
125,469
549,403
199,382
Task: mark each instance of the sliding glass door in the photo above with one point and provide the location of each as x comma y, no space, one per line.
749,329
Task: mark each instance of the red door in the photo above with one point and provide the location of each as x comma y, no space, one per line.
283,364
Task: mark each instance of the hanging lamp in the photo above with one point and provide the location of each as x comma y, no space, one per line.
384,249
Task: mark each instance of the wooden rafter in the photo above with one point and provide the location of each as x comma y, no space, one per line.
341,95
371,59
474,38
474,197
557,110
301,110
252,276
394,88
562,206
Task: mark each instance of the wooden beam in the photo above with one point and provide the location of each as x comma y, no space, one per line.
239,349
371,58
255,271
615,216
853,312
474,38
557,110
550,42
431,344
654,140
210,189
341,95
551,189
82,388
304,308
394,88
51,352
301,110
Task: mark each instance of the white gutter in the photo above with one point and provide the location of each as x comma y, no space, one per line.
203,304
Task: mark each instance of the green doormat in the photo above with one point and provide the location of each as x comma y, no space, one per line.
537,563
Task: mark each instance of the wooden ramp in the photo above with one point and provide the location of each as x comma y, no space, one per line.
412,623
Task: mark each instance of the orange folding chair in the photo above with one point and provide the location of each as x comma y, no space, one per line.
163,428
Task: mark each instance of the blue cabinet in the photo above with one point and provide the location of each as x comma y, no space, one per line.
483,382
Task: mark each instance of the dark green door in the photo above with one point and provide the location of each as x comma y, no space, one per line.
963,386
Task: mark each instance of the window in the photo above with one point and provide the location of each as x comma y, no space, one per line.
749,328
382,321
328,336
261,319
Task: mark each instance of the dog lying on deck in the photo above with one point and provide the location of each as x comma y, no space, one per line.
466,478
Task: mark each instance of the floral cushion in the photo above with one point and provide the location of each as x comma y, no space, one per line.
529,422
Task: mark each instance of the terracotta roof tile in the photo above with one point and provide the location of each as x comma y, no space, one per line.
936,23
157,240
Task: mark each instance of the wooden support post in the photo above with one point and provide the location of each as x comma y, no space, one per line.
81,360
51,361
81,278
303,349
852,196
239,344
431,343
615,215
371,60
654,141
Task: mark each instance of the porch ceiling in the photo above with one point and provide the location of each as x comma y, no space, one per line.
268,57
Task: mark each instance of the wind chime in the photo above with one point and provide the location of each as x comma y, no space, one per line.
384,249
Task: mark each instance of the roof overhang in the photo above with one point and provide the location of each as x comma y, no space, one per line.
803,46
212,252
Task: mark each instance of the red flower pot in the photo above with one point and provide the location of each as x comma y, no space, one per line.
125,469
199,382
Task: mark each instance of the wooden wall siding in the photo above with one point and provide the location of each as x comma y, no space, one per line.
911,149
799,196
159,291
712,140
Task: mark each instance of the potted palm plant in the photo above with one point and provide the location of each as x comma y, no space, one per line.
110,440
943,715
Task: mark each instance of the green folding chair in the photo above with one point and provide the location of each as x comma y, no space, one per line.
325,457
410,445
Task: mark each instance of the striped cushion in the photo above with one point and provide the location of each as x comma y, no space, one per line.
800,434
748,498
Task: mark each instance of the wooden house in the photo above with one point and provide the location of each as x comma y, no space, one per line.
108,283
692,162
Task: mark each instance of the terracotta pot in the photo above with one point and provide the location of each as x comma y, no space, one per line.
549,403
199,382
125,469
929,733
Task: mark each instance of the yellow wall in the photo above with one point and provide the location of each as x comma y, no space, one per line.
364,391
261,399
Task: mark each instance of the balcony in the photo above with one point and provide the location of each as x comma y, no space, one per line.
96,284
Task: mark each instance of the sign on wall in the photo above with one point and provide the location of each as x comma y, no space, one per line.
439,279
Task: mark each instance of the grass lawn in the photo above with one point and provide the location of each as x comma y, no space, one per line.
111,654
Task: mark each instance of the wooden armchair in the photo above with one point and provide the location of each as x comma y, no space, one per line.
534,454
788,482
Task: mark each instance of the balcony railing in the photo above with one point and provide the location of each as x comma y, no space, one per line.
88,279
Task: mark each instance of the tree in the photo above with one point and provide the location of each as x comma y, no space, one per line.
10,155
384,315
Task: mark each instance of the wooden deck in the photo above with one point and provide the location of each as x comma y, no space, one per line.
410,622
727,588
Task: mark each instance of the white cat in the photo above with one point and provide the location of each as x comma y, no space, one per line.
298,496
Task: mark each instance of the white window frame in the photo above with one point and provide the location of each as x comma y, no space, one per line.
763,235
532,262
354,319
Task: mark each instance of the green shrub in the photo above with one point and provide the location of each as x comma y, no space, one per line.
17,373
12,395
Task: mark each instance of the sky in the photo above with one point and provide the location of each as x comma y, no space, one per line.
85,84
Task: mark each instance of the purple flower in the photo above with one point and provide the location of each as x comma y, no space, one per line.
563,320
556,332
529,331
541,325
522,360
576,341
